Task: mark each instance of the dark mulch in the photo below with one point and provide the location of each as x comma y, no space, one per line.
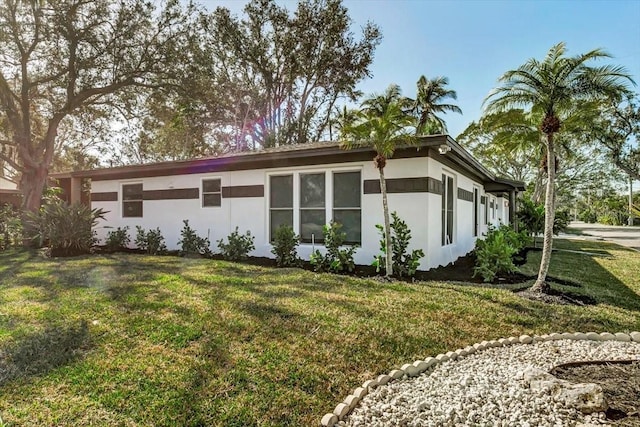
620,382
554,296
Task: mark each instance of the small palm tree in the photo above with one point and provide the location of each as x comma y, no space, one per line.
553,87
382,123
429,102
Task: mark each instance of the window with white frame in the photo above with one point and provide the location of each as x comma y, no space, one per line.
476,206
132,200
211,192
321,196
448,204
347,204
493,206
280,202
485,209
312,207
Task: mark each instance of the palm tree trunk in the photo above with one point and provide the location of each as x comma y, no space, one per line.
387,225
549,215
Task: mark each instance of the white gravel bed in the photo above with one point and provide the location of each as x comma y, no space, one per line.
485,389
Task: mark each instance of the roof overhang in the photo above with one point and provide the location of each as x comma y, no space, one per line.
434,146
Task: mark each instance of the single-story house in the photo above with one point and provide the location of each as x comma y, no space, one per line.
446,197
9,193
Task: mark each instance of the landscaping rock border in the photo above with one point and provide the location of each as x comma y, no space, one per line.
419,366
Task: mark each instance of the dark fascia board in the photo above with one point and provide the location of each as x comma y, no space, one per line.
311,154
500,185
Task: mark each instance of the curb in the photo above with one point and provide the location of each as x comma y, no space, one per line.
419,366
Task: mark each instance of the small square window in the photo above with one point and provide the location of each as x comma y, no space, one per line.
132,200
211,193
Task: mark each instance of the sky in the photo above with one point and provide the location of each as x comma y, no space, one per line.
473,42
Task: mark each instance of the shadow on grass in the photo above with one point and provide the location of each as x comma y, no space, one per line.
43,351
13,260
598,282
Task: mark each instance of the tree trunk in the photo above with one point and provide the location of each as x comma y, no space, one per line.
538,187
630,221
541,285
32,185
387,225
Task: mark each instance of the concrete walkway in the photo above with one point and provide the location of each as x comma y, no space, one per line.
622,235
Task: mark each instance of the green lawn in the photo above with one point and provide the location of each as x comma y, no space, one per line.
136,340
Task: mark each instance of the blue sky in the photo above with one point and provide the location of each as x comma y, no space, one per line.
473,42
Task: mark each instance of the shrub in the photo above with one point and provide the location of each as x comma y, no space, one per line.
150,241
530,218
404,264
191,243
66,229
285,244
10,227
494,253
238,247
588,216
561,221
118,239
335,259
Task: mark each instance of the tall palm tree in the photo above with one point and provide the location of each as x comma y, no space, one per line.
382,123
430,101
552,87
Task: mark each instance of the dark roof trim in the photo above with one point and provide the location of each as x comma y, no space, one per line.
301,155
500,185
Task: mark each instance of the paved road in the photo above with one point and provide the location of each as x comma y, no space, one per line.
625,236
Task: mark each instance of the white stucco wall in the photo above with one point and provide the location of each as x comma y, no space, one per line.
5,184
421,211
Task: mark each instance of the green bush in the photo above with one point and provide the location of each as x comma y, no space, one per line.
191,243
10,227
530,218
285,247
238,246
150,241
118,239
335,259
66,229
403,263
588,216
494,253
561,221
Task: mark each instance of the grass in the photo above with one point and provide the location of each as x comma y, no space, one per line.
132,340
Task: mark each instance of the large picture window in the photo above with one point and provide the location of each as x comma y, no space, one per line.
347,204
312,207
211,192
280,202
448,192
132,200
307,201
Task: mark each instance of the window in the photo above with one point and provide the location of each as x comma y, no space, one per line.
132,200
447,209
346,204
280,202
312,207
486,210
493,206
211,192
306,201
475,212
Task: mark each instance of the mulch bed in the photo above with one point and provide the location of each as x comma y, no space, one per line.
620,382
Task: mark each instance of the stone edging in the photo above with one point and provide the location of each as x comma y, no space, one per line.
419,366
